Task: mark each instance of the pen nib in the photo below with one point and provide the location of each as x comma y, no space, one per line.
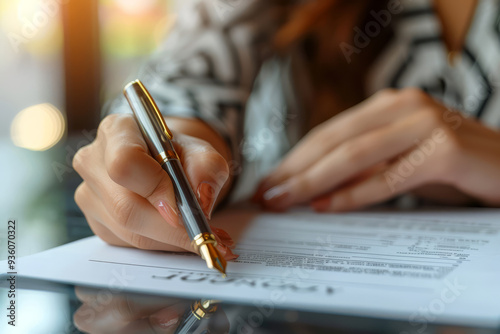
213,258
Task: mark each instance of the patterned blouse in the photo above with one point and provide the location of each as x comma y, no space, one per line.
218,65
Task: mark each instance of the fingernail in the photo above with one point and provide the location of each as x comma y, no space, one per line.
278,197
169,323
256,197
222,249
228,255
168,213
165,318
264,186
207,194
322,204
225,251
224,236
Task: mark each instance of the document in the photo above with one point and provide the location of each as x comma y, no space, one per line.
432,266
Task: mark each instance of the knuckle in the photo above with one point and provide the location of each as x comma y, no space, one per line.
319,139
182,240
122,210
386,93
454,146
107,124
81,156
432,116
323,137
114,122
320,132
83,322
119,165
124,308
81,195
452,152
314,132
159,189
303,184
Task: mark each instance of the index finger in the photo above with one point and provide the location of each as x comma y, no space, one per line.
379,110
129,163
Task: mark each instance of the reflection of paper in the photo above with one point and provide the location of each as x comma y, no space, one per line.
430,267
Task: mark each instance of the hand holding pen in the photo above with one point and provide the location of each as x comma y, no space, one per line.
148,314
129,200
159,139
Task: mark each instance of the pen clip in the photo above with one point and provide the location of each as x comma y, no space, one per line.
158,114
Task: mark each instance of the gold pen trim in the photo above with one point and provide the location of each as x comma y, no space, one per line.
205,244
203,238
204,308
165,156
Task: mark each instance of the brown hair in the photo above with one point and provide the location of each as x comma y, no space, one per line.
319,27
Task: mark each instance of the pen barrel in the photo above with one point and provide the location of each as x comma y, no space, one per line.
192,215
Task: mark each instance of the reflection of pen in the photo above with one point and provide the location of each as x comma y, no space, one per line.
201,309
158,138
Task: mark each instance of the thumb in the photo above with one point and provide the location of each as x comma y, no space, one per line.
206,170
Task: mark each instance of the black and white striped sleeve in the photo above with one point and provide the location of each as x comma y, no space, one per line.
207,66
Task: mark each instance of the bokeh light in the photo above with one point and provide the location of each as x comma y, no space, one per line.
38,127
134,7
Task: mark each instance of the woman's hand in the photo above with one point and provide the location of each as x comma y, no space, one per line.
128,198
135,313
392,143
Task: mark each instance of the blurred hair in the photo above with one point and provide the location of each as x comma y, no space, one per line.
319,27
308,16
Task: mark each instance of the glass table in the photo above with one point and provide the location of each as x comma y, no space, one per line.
39,195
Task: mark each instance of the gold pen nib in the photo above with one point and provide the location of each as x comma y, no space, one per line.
213,258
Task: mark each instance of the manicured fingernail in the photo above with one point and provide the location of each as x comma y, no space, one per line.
225,251
264,186
278,197
207,194
170,323
221,233
255,197
168,213
224,236
222,249
322,204
165,318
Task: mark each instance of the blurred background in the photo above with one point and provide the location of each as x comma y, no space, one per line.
60,61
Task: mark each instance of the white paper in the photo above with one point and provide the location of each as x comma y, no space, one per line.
418,267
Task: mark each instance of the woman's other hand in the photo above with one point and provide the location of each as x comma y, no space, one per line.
394,142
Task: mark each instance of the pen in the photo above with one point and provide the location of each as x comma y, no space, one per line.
199,310
158,138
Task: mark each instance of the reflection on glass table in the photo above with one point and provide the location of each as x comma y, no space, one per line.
102,311
94,310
